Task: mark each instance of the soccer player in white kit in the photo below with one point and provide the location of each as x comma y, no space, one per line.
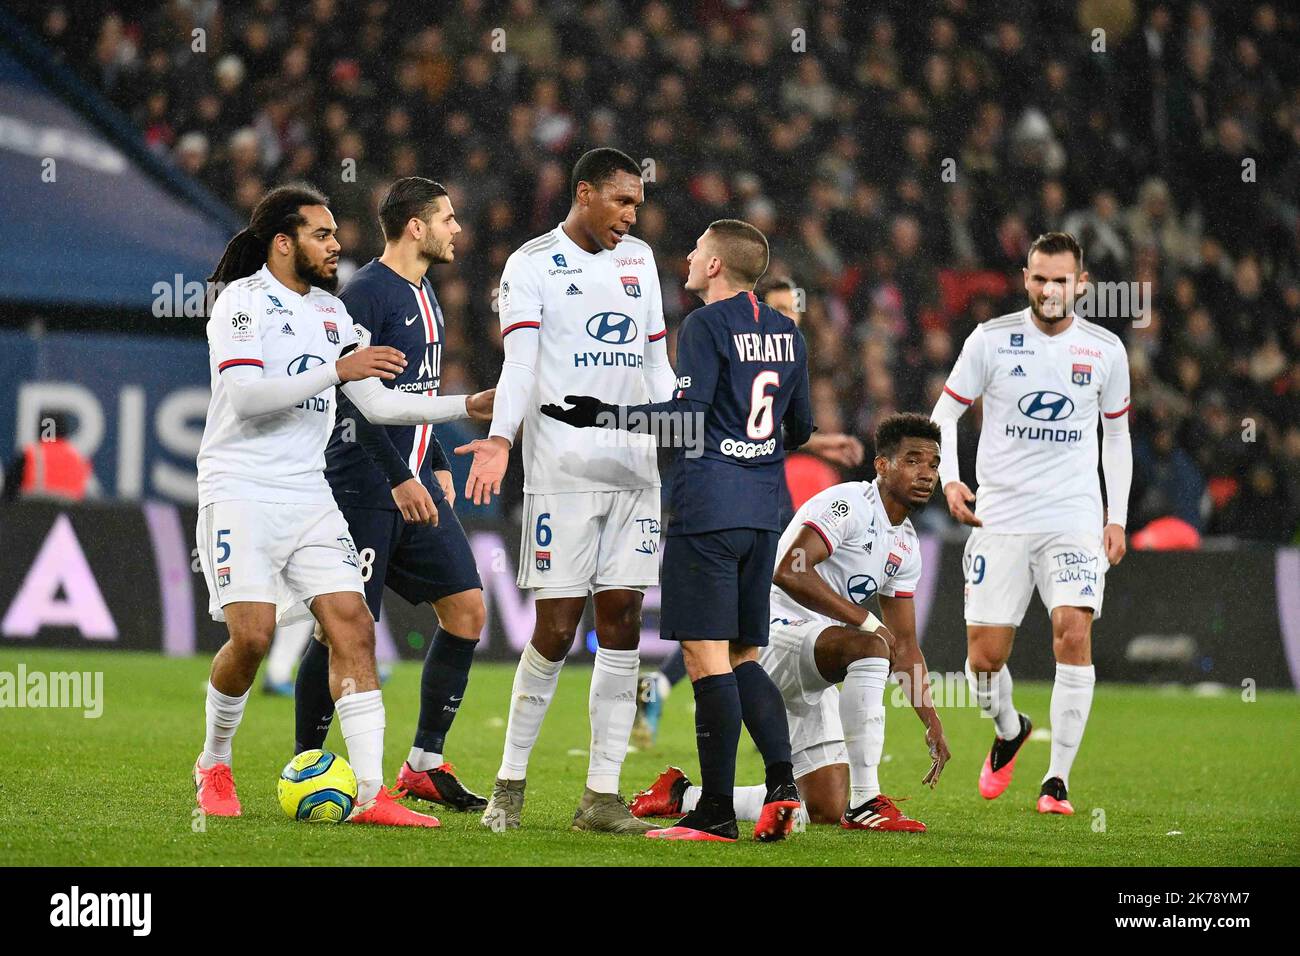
581,312
271,540
847,546
1046,376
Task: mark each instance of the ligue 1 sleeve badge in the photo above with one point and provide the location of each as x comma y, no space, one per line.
1081,374
632,286
332,333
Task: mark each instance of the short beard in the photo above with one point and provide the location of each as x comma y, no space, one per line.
435,252
1049,319
311,275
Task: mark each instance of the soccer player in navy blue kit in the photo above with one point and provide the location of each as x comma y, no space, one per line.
742,369
653,688
394,487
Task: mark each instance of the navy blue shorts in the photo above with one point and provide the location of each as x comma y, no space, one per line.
419,562
716,586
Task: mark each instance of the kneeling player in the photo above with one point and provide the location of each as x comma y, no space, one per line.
845,545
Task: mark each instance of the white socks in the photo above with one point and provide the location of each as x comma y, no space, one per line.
423,759
361,720
993,694
286,650
612,706
531,695
862,713
223,716
748,801
1071,701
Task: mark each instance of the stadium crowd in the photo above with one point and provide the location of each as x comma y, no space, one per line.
901,157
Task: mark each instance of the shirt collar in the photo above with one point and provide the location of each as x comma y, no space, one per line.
573,247
269,276
880,497
1040,334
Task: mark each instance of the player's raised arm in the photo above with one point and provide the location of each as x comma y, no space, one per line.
1116,456
384,406
387,406
520,306
235,339
697,360
964,385
373,438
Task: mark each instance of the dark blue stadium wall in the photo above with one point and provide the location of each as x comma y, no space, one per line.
91,216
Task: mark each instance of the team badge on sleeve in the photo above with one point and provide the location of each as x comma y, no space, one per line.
632,286
1081,374
892,564
332,333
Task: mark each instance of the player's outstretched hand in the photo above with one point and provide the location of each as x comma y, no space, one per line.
479,405
415,503
583,414
837,448
375,361
1116,546
939,754
491,455
959,500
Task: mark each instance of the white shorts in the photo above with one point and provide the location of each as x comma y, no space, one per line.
812,703
580,542
281,554
1002,570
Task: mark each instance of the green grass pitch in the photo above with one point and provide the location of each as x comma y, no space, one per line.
1221,772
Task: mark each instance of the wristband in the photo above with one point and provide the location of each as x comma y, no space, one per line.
871,624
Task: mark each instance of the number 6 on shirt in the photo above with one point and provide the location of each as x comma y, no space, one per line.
760,422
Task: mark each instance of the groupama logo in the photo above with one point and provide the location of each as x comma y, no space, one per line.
1046,406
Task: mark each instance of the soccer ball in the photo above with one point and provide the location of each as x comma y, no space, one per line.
317,786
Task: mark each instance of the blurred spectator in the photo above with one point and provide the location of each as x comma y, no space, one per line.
1165,481
50,468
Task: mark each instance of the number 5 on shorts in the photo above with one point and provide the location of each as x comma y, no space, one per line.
223,547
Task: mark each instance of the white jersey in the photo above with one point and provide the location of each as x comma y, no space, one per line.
1037,460
868,555
279,457
595,315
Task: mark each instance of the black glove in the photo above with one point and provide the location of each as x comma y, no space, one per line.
583,414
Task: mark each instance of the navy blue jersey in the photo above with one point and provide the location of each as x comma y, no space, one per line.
749,365
363,461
